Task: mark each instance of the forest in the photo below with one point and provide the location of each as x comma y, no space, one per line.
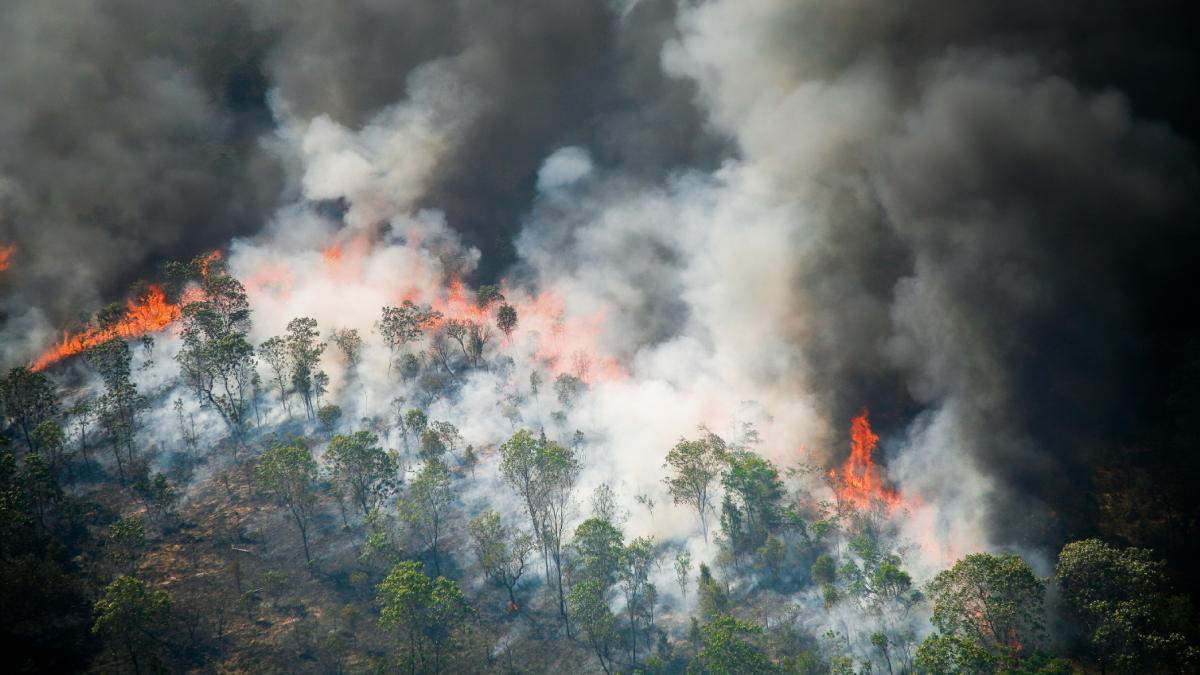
229,516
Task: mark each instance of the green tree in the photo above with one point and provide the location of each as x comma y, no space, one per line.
502,552
50,441
349,343
274,352
752,508
636,562
683,570
289,472
506,319
694,465
598,547
217,359
731,646
304,356
130,614
426,507
398,326
29,400
991,602
426,613
589,605
125,542
328,417
1117,599
121,406
713,599
360,468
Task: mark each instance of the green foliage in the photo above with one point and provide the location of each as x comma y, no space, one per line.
28,400
426,614
289,472
1118,599
506,319
752,508
304,355
360,468
985,604
694,466
217,360
328,417
731,646
502,552
130,615
426,506
598,544
588,601
714,601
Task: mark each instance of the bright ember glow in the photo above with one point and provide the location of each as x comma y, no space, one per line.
860,482
144,315
6,253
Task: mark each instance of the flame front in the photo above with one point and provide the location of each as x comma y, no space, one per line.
6,254
146,315
860,482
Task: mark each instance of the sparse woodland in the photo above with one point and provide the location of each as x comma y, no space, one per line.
291,538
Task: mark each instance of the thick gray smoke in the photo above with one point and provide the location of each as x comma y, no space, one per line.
975,218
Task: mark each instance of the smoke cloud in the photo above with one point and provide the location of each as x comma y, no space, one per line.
976,219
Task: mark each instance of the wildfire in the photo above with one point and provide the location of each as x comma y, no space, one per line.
860,482
6,254
145,315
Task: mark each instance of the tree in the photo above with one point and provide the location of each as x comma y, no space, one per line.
349,342
502,552
683,570
589,606
398,326
543,474
359,467
328,417
751,510
217,360
426,613
713,599
506,320
275,353
731,646
304,355
120,407
695,465
290,473
568,388
426,507
1117,597
488,295
413,422
991,602
130,614
28,399
50,441
640,595
598,546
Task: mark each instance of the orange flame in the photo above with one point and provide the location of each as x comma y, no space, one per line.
145,315
861,482
6,254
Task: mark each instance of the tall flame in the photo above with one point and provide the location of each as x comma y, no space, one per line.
145,315
6,254
861,482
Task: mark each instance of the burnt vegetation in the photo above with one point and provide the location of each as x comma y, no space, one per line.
288,538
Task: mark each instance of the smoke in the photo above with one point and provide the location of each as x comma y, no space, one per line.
975,218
